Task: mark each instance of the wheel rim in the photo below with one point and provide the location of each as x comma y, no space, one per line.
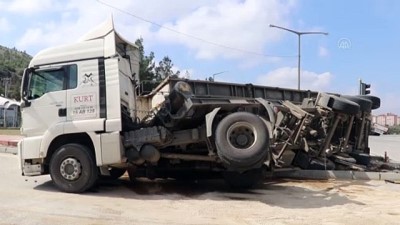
70,169
242,135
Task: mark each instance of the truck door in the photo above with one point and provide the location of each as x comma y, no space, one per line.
46,94
83,100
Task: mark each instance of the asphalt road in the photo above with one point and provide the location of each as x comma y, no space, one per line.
385,143
34,200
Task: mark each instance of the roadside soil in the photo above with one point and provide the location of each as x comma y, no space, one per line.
34,200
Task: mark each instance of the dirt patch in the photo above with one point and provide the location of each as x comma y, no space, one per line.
34,200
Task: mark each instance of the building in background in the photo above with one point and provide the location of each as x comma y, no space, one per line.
388,119
9,113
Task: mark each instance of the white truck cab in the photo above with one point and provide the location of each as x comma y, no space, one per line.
65,99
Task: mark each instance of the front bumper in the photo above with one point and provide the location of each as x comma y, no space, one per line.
26,165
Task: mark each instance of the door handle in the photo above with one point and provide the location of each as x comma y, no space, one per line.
62,112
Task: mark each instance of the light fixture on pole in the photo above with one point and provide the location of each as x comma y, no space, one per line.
215,74
298,33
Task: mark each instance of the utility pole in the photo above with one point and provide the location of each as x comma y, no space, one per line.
6,82
298,33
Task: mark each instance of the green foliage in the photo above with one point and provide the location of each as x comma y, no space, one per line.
146,71
12,64
394,130
149,71
164,69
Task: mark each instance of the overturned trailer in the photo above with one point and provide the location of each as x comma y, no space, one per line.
305,129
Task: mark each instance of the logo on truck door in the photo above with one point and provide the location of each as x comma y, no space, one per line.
84,106
87,79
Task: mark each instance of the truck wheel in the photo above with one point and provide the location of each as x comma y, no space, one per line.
301,159
321,164
242,141
376,102
73,168
365,104
132,173
361,158
342,105
245,180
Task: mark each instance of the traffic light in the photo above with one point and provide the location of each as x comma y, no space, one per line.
364,88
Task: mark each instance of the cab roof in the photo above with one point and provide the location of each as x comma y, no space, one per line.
100,42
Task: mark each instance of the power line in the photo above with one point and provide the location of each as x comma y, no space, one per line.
193,36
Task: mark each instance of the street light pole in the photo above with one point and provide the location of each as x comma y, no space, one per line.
298,63
298,33
215,74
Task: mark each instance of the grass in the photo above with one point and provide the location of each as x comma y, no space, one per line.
10,131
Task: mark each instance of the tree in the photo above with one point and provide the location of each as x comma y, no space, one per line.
394,129
12,63
148,70
164,69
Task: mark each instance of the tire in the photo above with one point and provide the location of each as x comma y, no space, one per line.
115,173
132,173
245,180
361,158
319,164
343,105
349,166
343,158
242,141
301,159
365,104
338,104
376,102
78,158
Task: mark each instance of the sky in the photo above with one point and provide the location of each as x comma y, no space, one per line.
232,39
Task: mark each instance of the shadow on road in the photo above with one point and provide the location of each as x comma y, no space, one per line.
282,193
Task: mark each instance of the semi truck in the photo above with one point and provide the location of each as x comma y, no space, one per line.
87,115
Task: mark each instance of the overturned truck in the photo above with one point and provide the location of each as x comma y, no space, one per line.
86,115
279,127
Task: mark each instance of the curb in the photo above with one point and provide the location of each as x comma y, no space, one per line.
8,149
12,143
10,140
336,174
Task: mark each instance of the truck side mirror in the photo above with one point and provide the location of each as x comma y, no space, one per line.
24,88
